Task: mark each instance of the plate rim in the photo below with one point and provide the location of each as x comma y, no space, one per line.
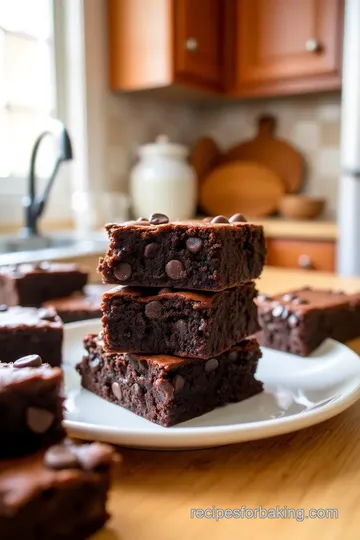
201,436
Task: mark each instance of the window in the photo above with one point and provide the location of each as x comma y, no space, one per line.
27,89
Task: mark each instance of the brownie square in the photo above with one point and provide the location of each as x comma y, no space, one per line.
79,306
183,255
26,330
298,321
33,284
183,323
31,409
168,390
59,494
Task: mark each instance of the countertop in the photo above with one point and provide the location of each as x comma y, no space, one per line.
318,467
302,230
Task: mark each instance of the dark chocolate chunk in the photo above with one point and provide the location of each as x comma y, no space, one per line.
122,271
238,218
180,326
3,308
300,301
39,420
178,383
211,365
194,244
158,219
289,297
220,219
166,389
175,270
153,310
277,311
151,250
32,360
233,355
61,456
143,222
142,219
293,321
115,387
47,315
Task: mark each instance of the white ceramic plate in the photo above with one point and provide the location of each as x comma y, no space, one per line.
299,392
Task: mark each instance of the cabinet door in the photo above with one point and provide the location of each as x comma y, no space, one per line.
304,254
288,45
198,41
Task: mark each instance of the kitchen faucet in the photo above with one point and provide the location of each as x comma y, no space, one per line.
34,206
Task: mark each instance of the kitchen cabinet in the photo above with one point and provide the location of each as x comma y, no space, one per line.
286,46
157,43
305,254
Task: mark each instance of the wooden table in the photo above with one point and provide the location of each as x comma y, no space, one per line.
318,467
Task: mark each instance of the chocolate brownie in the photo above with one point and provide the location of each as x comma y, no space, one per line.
168,390
183,255
33,284
298,321
26,330
79,306
31,409
183,323
57,494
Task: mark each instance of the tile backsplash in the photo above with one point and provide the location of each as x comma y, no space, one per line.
310,123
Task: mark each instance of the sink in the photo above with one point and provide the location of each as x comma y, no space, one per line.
15,249
15,244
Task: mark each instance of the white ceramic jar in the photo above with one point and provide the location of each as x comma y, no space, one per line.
163,181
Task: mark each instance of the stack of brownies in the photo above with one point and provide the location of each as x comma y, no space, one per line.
173,343
49,487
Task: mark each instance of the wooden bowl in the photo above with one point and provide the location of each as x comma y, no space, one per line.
301,207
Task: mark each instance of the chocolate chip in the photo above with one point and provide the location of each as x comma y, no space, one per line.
158,219
178,383
44,266
143,222
289,297
115,387
151,250
277,311
300,301
153,310
180,326
94,455
175,270
142,219
61,456
293,321
137,390
194,244
207,219
238,218
122,271
47,315
32,360
94,363
165,290
220,219
233,355
166,389
3,308
263,298
211,365
39,420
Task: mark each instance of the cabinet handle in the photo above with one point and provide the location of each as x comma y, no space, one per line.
191,44
313,45
304,262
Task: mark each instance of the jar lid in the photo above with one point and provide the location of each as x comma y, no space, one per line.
163,147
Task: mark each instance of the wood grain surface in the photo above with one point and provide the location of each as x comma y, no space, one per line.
318,467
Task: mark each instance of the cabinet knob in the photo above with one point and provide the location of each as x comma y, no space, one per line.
313,45
191,44
304,262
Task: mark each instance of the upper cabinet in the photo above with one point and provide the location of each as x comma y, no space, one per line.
231,47
284,46
155,43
